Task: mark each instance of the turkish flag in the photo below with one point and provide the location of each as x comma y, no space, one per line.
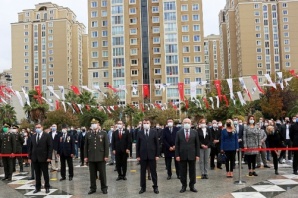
218,88
37,88
206,103
146,90
87,107
142,107
57,105
292,72
112,88
75,90
9,90
226,100
255,79
181,90
157,105
173,105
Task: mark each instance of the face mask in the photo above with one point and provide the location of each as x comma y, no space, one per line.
251,121
38,130
78,130
240,123
54,128
266,124
214,125
64,130
228,124
119,126
94,126
186,126
157,127
71,128
13,130
245,125
235,122
112,129
25,134
261,120
178,125
83,130
220,124
203,125
170,124
146,126
5,130
278,123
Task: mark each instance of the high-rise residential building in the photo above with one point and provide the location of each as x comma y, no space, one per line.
153,42
212,57
260,36
47,49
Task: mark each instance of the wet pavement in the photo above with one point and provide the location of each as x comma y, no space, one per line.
267,184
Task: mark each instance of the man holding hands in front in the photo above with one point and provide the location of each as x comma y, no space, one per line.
187,151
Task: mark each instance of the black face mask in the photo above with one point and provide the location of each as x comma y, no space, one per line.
83,130
228,124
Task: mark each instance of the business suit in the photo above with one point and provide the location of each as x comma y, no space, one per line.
169,138
187,151
7,146
121,140
55,143
19,144
39,152
81,145
96,150
215,147
66,148
206,140
147,150
285,132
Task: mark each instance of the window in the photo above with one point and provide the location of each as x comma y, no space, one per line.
104,43
257,13
195,17
256,6
172,80
134,61
95,64
104,23
94,54
51,80
259,57
155,19
187,81
156,40
184,7
26,74
133,41
287,56
187,91
198,70
93,4
258,35
285,19
117,73
105,74
156,61
185,38
288,64
94,34
285,12
106,84
185,28
132,10
172,70
260,65
197,59
94,44
105,53
95,74
132,1
185,49
155,9
196,28
184,17
155,29
133,20
133,31
134,72
196,38
186,59
186,70
286,27
195,7
286,42
286,34
93,14
156,50
51,73
259,43
105,63
94,24
133,51
259,50
157,71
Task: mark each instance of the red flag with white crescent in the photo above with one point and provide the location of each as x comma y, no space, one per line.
181,91
146,90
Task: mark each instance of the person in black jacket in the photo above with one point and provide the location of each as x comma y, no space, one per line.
81,144
285,132
66,151
40,153
294,139
55,137
19,145
215,148
147,154
205,139
121,140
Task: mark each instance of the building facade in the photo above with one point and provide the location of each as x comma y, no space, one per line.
152,42
258,37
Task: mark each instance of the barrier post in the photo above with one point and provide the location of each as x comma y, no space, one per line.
240,182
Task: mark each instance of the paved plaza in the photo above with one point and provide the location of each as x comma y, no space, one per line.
265,185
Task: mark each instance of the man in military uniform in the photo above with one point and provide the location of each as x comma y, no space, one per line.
96,154
19,146
7,146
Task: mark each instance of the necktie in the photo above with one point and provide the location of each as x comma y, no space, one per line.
64,137
120,134
147,133
187,136
37,138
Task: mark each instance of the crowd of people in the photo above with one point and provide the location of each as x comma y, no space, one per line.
181,143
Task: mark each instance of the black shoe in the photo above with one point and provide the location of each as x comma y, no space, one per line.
295,173
47,190
156,190
36,191
82,165
115,169
63,178
105,191
142,191
266,166
70,178
183,189
149,177
254,173
124,178
118,178
169,177
111,164
206,177
203,177
250,174
219,167
5,178
193,189
91,192
212,168
9,179
276,172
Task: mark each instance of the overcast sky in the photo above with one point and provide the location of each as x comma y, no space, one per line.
9,14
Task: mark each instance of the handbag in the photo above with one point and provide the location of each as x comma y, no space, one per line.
221,158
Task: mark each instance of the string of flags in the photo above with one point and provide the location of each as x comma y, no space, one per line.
8,92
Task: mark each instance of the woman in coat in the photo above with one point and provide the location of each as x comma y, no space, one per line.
251,140
229,145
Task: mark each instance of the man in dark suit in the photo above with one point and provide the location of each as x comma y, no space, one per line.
7,146
121,140
55,137
81,144
97,154
187,151
285,132
147,154
40,153
215,148
169,138
66,151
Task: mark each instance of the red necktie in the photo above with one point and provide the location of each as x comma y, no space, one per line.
120,134
187,136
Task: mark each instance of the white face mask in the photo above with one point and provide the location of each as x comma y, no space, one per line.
94,126
235,122
170,124
214,125
157,127
120,126
251,121
186,126
219,124
203,125
13,130
64,131
146,126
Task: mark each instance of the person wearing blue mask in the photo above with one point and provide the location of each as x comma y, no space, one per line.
294,139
